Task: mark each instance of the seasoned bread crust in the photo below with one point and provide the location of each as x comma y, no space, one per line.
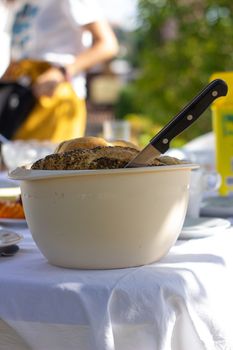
96,158
80,159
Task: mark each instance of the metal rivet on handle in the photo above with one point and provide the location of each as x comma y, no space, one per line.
165,141
190,117
215,93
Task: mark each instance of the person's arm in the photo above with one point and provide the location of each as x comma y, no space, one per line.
104,47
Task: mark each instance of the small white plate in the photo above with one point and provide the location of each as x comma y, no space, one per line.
8,238
217,206
6,182
10,192
203,227
13,221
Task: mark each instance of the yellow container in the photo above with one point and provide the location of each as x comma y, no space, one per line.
222,116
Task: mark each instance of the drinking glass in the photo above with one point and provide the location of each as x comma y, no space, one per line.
202,183
24,153
116,130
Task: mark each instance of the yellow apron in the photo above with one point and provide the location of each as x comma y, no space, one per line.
57,118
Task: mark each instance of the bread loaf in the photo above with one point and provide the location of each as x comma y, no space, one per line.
80,159
88,153
88,142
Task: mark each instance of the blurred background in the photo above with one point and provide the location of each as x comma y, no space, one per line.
168,51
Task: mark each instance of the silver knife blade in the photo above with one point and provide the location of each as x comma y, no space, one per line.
144,157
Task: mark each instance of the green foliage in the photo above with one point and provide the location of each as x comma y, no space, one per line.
143,129
180,43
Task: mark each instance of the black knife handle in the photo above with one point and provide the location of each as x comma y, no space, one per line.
189,114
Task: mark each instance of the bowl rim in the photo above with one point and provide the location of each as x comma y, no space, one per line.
22,173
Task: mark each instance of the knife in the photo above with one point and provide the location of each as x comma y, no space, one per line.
189,114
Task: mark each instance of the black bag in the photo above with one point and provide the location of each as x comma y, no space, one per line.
16,102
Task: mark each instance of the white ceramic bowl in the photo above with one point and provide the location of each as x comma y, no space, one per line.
101,219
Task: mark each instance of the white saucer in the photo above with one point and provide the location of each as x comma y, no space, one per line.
6,182
217,206
9,189
8,238
15,222
9,192
203,227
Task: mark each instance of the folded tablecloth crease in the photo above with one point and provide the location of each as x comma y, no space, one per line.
182,302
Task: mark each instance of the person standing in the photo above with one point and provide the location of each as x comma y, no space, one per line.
47,48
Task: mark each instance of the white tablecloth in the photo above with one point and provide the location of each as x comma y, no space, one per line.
184,302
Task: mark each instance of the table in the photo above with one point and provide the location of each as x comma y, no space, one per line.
183,302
